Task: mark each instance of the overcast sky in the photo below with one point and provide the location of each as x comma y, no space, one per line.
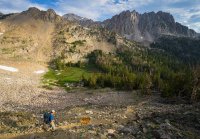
186,12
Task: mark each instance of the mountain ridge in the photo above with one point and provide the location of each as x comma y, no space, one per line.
147,26
43,35
143,27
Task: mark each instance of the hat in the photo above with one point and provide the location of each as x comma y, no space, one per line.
53,111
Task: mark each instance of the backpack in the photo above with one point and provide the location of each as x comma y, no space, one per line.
46,117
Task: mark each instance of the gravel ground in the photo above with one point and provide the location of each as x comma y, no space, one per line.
23,91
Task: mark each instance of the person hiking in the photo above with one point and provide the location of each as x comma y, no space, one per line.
52,120
49,120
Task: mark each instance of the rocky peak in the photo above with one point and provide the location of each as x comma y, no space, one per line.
33,10
134,13
51,11
166,16
73,17
80,20
49,15
147,26
124,14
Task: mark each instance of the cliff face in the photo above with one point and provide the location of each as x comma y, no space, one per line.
147,26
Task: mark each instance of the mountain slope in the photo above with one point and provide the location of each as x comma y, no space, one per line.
27,35
43,35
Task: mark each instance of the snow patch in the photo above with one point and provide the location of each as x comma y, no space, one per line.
86,28
11,69
8,78
39,72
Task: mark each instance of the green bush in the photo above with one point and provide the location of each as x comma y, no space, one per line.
179,84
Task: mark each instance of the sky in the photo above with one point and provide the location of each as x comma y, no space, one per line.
186,12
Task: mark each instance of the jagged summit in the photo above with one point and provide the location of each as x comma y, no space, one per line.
80,20
33,9
73,17
147,26
51,11
49,15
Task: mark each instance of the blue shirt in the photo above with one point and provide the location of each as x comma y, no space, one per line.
51,117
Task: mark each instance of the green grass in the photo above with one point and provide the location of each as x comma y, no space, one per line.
69,75
7,50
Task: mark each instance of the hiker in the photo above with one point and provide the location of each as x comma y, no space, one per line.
52,120
49,119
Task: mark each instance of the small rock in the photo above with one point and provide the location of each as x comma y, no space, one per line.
187,113
161,134
167,121
92,132
144,130
89,112
34,116
165,136
111,131
128,130
151,125
65,123
60,124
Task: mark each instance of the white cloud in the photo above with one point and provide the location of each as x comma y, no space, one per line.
189,17
8,6
95,9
